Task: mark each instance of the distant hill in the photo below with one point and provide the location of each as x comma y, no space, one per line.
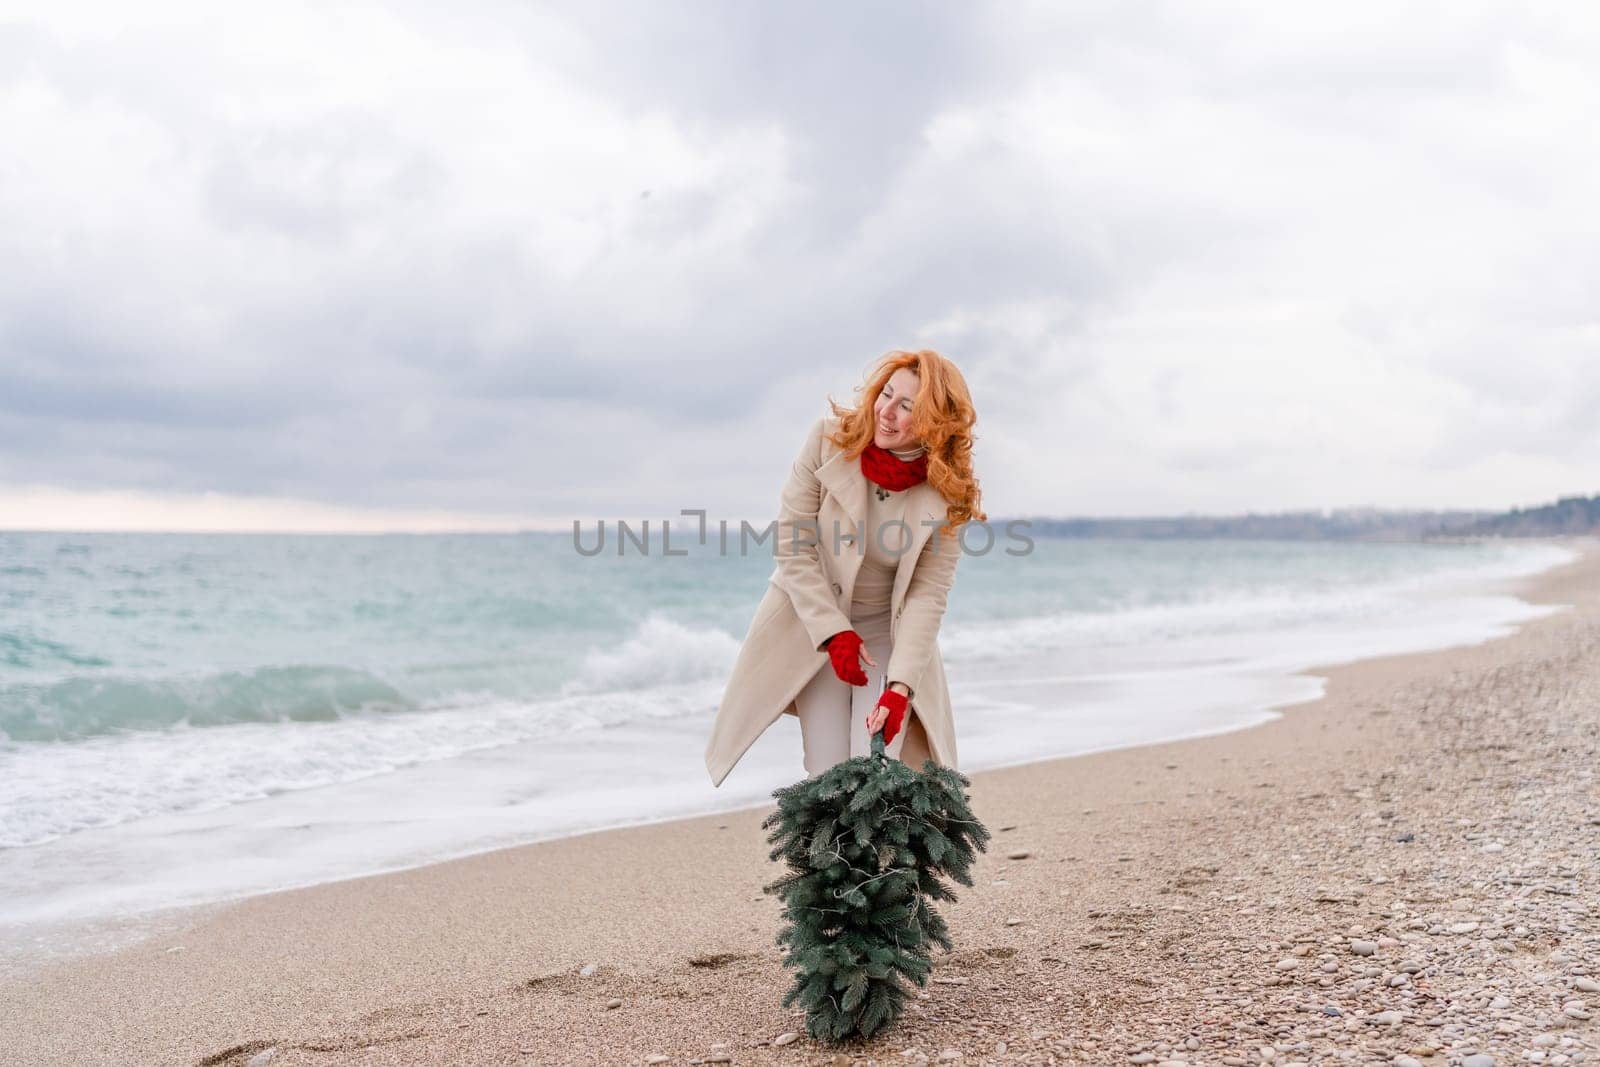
1571,515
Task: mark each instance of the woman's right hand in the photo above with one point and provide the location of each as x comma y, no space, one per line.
845,652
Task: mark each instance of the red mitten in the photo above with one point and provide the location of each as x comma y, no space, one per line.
896,702
844,649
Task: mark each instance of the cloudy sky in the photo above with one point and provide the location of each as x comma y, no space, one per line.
387,265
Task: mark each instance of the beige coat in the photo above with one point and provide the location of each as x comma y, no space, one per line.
808,600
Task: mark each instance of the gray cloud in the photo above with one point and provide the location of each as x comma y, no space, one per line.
552,261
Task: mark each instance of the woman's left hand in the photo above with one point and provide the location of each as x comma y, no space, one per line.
890,713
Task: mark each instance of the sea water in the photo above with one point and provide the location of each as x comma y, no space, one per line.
188,719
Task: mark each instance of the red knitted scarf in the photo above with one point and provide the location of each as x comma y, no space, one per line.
883,468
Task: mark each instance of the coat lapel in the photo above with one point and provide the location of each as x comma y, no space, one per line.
928,507
841,478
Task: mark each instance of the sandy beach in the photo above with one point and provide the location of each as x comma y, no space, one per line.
1404,872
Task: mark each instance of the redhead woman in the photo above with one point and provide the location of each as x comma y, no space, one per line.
867,541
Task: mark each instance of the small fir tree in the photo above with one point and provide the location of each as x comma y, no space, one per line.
866,843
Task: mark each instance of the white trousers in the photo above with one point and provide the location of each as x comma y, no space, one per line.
833,713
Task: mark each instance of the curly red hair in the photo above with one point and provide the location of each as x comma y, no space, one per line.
942,417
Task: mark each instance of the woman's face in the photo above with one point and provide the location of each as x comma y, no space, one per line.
893,410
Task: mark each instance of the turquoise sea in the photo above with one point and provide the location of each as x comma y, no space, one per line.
191,718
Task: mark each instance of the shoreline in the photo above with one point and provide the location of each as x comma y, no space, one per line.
436,812
669,914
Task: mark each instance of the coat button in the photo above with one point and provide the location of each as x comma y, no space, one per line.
837,589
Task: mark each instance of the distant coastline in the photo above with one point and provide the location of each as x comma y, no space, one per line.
1568,517
1573,516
